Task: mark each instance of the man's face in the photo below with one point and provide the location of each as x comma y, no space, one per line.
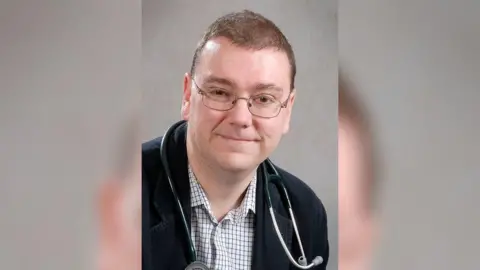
236,140
355,219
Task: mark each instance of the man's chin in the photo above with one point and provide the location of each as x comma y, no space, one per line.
234,161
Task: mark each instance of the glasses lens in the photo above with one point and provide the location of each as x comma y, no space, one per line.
216,104
261,108
268,111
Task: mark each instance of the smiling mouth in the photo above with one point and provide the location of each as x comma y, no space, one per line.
236,139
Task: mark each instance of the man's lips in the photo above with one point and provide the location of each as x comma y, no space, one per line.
239,139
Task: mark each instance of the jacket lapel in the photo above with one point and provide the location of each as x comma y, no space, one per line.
268,252
168,237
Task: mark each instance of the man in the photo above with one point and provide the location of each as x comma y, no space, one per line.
357,224
237,103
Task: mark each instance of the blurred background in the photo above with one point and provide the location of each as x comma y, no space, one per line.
416,64
171,31
69,79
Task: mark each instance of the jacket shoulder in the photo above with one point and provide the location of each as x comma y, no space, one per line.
151,153
300,193
310,214
150,165
151,145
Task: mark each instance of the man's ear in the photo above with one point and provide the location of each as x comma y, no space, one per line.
187,93
288,109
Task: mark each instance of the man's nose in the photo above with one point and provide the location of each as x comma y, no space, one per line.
240,114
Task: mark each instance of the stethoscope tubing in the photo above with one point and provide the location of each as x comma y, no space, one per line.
192,252
273,178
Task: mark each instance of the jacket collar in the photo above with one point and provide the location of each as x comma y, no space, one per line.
178,163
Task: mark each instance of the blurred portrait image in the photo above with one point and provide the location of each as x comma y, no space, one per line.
119,206
356,181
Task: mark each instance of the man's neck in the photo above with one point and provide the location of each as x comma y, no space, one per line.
224,190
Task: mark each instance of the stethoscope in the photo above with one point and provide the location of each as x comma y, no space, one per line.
274,178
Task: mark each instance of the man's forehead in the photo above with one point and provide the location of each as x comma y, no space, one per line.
230,65
213,45
212,79
221,49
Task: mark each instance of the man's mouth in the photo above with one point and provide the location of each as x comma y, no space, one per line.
239,139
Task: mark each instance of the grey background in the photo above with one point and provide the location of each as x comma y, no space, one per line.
69,74
417,63
171,30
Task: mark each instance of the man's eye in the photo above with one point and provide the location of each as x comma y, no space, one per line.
218,92
264,99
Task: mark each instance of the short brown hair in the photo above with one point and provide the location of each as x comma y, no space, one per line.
352,112
251,30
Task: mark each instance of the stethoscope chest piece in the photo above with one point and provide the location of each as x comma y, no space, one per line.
197,266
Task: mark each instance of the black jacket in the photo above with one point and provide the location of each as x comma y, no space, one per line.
163,239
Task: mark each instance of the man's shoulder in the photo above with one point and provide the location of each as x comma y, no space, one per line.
310,214
151,145
301,193
151,153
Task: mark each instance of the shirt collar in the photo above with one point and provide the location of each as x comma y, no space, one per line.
198,196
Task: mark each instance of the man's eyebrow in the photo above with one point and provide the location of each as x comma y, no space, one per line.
268,86
219,80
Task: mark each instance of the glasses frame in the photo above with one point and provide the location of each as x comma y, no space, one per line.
204,95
